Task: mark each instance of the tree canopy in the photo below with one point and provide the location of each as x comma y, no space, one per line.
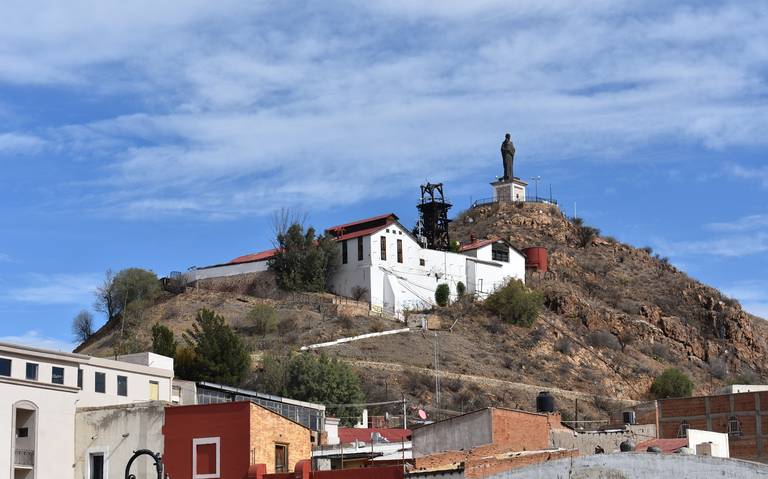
128,287
315,378
218,354
163,341
672,383
304,261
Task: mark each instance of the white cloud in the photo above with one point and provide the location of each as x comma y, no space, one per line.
759,174
54,289
36,339
5,258
753,296
747,223
728,246
19,143
253,105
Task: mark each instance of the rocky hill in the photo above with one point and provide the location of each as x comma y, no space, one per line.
615,316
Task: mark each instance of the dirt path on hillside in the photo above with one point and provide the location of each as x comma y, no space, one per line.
529,388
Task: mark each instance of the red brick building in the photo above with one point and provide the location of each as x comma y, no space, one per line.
743,416
225,440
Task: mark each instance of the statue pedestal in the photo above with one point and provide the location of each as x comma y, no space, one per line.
509,190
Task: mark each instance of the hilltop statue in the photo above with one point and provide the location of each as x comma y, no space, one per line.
508,157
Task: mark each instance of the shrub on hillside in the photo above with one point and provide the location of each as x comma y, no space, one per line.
263,319
672,383
442,294
603,339
359,293
515,304
461,289
566,346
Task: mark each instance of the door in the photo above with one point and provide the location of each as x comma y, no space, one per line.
97,466
281,458
154,391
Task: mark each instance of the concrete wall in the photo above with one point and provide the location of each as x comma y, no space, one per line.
638,466
586,442
116,432
719,441
225,270
460,432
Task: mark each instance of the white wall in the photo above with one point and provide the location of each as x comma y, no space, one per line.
720,440
225,270
56,403
116,432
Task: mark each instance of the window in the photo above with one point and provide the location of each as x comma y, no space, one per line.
422,262
122,386
359,249
383,240
734,426
80,378
5,367
399,251
154,390
22,432
682,431
500,252
97,466
344,252
32,371
57,375
206,458
100,380
281,458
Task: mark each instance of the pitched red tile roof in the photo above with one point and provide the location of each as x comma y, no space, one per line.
477,244
260,256
350,434
667,446
391,217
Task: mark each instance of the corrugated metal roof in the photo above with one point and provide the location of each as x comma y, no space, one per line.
260,256
477,244
391,216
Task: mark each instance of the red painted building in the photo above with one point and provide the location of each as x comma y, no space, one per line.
224,441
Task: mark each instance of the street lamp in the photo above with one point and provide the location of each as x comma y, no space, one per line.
537,179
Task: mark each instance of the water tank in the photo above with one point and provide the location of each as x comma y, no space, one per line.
545,402
629,417
536,259
627,446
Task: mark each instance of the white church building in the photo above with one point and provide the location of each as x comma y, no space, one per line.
381,256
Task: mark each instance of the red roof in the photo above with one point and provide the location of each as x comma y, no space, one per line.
350,434
261,256
667,446
357,234
477,244
391,217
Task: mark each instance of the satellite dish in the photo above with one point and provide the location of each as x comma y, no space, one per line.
422,414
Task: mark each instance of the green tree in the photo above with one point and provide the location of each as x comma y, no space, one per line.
131,286
461,289
672,383
263,319
442,294
163,341
303,261
316,378
515,304
219,354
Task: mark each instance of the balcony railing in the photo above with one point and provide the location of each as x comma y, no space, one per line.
529,199
24,457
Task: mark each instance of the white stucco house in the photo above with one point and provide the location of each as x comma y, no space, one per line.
41,392
381,256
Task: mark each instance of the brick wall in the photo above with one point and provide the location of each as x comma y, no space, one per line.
268,429
488,466
712,413
522,431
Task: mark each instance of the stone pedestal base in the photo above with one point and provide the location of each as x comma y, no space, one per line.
509,190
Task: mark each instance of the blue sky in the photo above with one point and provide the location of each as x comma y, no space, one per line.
164,134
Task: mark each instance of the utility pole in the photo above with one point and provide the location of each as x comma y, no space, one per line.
536,179
437,373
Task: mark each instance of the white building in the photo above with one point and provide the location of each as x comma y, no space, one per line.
41,390
383,258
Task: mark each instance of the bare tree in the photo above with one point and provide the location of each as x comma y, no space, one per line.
82,326
284,219
106,302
